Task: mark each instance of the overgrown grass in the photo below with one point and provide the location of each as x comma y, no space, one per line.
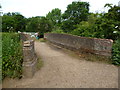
11,55
42,40
96,58
89,57
39,63
84,56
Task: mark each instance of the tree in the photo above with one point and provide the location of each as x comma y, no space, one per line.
20,22
108,5
86,28
110,23
13,22
0,10
75,13
113,13
38,24
55,17
105,28
44,25
8,23
32,24
105,25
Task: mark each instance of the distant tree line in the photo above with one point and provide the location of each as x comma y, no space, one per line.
75,20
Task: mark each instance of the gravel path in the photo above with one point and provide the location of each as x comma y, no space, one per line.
60,70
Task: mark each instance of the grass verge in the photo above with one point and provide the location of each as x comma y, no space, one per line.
84,56
42,40
39,63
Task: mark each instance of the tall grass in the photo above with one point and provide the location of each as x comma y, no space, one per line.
11,55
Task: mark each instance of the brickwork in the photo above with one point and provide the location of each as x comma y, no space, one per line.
81,44
29,59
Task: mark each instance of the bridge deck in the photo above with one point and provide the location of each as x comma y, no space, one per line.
60,70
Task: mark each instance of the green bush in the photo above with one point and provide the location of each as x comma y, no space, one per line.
11,55
116,53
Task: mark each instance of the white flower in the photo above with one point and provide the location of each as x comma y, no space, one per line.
114,31
116,26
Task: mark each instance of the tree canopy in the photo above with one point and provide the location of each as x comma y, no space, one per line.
55,16
75,13
13,22
38,24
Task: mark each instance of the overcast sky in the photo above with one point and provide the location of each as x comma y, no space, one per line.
30,8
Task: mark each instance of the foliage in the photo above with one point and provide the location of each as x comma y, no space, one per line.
45,25
100,25
11,55
8,23
32,24
20,22
113,19
116,53
39,24
108,5
13,22
86,28
105,28
113,13
75,13
67,26
55,16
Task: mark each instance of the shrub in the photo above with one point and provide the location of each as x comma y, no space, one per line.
116,53
11,55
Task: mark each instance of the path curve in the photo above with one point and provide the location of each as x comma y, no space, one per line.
63,71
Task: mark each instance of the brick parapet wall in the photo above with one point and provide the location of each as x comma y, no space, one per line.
29,56
82,44
29,59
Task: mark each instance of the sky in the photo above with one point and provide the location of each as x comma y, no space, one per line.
31,8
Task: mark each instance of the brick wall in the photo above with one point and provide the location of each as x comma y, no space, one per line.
29,59
29,56
81,44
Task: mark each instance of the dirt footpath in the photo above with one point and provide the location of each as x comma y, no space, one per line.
63,71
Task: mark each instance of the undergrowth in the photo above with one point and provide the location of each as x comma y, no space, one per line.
11,55
116,53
